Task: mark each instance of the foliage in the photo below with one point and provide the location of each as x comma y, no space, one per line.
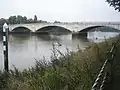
20,20
56,21
115,4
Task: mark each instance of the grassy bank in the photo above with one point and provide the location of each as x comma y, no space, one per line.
72,71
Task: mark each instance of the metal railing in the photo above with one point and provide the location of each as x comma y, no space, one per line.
103,79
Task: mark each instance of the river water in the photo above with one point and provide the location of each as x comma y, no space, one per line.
25,49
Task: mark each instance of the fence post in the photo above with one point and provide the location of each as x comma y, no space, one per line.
5,46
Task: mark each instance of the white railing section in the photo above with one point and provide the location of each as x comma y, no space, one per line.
104,75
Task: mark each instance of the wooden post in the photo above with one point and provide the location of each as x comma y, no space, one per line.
5,46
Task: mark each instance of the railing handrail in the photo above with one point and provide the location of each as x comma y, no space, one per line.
101,78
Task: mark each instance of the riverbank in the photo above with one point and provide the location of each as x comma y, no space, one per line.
72,71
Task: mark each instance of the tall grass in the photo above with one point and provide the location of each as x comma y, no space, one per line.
70,71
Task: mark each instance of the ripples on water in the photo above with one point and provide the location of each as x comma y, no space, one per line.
24,49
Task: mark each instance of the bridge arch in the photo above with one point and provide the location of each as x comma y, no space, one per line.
107,29
53,29
84,32
21,29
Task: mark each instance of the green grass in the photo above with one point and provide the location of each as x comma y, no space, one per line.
71,71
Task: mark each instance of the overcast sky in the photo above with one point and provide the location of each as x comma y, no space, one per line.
61,10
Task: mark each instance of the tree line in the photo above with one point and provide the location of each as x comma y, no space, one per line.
21,20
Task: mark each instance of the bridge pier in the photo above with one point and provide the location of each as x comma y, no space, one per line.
80,34
83,34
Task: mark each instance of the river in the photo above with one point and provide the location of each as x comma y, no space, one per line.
24,50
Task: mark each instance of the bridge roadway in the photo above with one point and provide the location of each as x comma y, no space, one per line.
73,27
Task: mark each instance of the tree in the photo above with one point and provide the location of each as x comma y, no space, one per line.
35,18
12,20
2,21
115,4
30,20
19,19
56,21
24,19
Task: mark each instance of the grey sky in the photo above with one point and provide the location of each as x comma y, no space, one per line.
61,10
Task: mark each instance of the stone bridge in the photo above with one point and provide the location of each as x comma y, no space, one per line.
73,27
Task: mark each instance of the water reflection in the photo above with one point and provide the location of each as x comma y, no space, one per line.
99,36
48,37
24,49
